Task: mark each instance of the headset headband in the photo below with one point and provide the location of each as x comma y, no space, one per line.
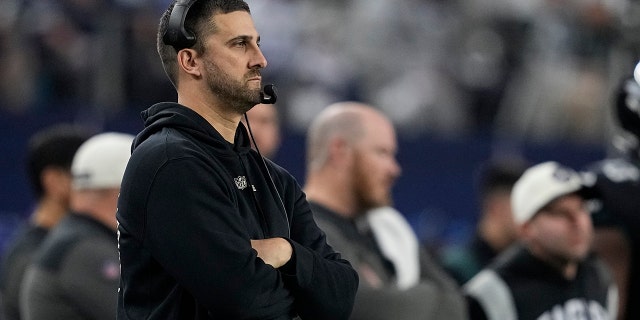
176,35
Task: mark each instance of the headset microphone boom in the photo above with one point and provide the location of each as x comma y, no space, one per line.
269,94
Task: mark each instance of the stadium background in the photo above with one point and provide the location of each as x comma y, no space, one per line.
463,81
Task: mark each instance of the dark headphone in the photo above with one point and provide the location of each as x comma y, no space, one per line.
176,35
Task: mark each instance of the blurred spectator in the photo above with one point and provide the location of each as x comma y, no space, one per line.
76,54
616,180
63,46
495,229
18,62
75,273
351,165
551,273
144,88
557,90
265,128
49,157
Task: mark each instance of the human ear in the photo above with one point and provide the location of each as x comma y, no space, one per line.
526,231
187,61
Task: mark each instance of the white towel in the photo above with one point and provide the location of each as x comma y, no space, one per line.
398,243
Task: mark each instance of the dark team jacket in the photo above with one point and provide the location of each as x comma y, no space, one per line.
17,258
519,286
74,273
189,205
616,186
434,296
464,262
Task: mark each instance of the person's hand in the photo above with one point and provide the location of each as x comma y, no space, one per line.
273,251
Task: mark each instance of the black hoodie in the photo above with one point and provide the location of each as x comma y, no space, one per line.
189,205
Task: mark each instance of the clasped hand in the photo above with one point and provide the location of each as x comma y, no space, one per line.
273,251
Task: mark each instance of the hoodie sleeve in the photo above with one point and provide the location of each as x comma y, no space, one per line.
324,284
194,231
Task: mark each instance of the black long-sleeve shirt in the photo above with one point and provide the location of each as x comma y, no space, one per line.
190,203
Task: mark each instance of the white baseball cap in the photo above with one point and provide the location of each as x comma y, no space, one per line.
100,161
539,185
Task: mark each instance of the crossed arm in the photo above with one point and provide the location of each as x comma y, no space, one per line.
275,252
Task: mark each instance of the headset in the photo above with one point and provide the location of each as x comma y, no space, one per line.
263,163
176,34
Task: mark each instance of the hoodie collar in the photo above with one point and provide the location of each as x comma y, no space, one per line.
176,116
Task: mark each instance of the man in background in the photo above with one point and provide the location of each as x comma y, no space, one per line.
551,273
265,128
49,155
75,272
495,229
351,169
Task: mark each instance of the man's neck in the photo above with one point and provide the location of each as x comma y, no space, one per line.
493,235
225,126
97,204
332,197
225,122
48,213
567,268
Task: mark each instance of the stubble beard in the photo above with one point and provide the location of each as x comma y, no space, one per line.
559,253
236,94
364,188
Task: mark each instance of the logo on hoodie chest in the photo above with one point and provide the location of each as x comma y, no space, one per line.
241,182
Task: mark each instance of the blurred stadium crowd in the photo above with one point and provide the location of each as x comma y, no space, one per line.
521,70
536,68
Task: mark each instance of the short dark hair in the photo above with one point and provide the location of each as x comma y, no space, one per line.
499,174
55,147
196,22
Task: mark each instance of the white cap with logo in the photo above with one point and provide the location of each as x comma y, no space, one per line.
539,185
100,161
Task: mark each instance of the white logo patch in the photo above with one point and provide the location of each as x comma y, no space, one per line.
241,182
577,309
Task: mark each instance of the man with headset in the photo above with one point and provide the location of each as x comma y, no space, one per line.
208,228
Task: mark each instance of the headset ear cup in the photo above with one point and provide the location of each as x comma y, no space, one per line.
176,34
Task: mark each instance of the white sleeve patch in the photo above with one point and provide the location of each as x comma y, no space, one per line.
493,295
